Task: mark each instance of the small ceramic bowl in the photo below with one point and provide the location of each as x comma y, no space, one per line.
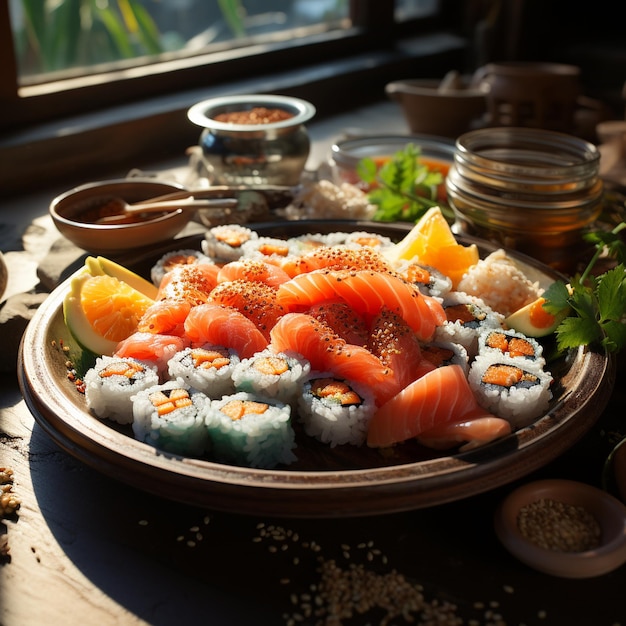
431,108
609,513
253,139
108,239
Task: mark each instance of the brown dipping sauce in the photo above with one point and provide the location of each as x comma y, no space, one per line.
256,115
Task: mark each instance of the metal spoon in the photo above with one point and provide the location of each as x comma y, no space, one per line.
118,211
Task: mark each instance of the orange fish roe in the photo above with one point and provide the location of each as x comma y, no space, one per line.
337,390
271,249
418,274
207,359
166,402
506,376
237,409
515,346
231,237
121,368
271,365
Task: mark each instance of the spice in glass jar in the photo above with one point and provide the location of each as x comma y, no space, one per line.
559,526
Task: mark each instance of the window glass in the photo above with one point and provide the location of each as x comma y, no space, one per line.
76,36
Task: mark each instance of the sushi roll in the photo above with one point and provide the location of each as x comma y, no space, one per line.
207,368
171,417
441,353
278,375
251,431
509,389
170,260
429,280
225,242
466,316
270,249
512,344
335,411
111,382
368,240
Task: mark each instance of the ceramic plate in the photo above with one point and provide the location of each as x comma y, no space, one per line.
324,482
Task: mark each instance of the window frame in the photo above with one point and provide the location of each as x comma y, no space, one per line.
372,20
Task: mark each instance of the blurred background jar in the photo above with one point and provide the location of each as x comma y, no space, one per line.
531,190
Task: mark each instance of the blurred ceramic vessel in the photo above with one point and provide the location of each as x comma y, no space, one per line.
270,150
531,190
68,212
437,108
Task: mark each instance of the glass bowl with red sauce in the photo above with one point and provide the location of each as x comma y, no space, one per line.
253,139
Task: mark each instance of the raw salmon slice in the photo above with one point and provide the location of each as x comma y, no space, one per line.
224,326
439,397
366,292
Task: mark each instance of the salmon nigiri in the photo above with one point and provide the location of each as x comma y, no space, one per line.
397,346
441,396
366,292
224,326
327,352
255,300
340,316
189,282
165,317
255,270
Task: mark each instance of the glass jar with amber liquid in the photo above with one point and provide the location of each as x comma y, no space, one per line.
531,190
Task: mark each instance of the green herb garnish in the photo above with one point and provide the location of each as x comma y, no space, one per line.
403,189
598,302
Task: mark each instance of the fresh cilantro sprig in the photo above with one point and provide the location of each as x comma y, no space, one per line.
402,189
598,303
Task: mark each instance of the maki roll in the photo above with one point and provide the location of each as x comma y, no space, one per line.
171,417
170,260
446,353
251,431
429,280
270,249
207,368
510,389
511,344
111,382
335,411
225,242
466,316
278,375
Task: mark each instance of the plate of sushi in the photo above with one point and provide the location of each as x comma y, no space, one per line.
307,369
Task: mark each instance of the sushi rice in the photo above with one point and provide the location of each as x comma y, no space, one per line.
511,388
171,417
112,381
466,317
207,368
512,344
225,242
335,411
250,430
278,375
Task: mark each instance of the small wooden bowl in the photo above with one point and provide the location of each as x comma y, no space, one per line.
608,511
109,239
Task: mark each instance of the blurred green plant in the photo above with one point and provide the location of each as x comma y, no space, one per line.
65,34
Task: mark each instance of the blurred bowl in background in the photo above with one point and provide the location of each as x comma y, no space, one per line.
253,139
74,214
444,108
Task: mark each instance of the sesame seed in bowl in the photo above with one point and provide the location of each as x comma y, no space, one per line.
563,528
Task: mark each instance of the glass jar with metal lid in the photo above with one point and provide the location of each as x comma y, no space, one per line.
531,190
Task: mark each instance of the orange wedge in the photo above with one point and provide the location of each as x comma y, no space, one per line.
102,310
